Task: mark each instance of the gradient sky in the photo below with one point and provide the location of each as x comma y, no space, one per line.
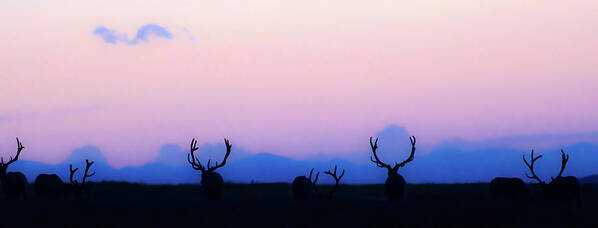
294,78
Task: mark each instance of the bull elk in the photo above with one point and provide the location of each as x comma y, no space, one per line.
74,188
303,188
395,183
211,181
336,180
14,184
560,189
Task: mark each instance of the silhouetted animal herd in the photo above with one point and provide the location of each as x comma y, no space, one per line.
14,184
559,189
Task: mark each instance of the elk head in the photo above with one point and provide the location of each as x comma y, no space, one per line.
78,187
557,183
303,188
560,188
336,180
196,164
4,166
530,165
391,169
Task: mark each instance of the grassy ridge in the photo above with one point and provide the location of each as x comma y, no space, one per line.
117,204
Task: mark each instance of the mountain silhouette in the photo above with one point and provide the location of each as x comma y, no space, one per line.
174,155
446,163
87,152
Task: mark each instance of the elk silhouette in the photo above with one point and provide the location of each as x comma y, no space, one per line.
49,185
560,189
14,184
336,180
303,188
74,188
211,181
508,188
395,183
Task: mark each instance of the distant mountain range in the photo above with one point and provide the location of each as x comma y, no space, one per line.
257,168
593,179
441,166
447,163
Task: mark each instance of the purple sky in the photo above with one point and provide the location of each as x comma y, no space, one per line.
293,78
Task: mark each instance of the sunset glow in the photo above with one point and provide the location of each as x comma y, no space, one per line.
292,78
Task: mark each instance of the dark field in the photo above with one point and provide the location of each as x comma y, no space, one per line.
111,204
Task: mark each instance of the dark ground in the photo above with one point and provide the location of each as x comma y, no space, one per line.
112,204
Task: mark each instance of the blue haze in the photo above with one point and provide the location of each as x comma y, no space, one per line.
447,163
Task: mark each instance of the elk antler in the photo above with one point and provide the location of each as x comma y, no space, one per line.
85,175
531,167
336,179
73,173
191,157
395,168
378,163
411,156
564,160
20,148
196,164
317,175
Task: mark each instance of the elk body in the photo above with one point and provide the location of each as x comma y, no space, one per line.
210,181
560,189
564,189
303,188
510,188
14,184
395,183
49,185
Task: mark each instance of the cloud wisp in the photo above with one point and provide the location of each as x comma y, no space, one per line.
108,35
143,35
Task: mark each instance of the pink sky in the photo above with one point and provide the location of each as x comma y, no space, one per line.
295,78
